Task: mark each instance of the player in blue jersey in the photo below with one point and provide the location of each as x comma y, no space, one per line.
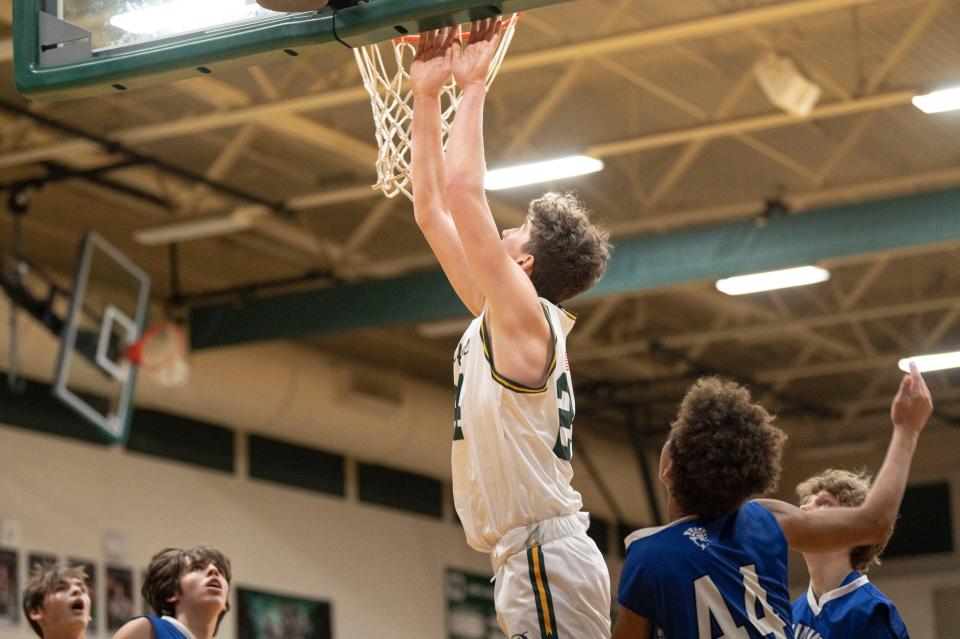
720,568
57,603
841,602
189,590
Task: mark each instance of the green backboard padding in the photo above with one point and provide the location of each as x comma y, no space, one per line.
639,262
274,39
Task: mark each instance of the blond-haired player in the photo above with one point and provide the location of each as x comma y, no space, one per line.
841,601
57,603
514,399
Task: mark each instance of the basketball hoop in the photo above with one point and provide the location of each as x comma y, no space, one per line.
162,354
386,77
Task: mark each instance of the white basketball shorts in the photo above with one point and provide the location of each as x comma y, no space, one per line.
558,590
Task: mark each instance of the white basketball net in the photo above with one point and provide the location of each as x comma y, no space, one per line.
385,69
164,355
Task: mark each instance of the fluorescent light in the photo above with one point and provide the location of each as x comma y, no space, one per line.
181,16
770,280
521,175
938,101
200,227
935,362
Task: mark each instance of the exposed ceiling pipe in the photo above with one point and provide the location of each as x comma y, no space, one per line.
113,146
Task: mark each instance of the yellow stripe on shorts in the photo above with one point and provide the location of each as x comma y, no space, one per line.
541,594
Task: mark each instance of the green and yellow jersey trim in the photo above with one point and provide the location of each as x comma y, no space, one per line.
506,382
568,313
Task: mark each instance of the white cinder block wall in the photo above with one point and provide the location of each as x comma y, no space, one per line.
381,569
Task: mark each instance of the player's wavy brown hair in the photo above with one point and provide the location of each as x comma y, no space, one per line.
724,447
569,251
162,580
44,580
849,489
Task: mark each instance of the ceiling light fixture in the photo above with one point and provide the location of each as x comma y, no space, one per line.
547,171
771,280
938,101
785,86
934,362
197,228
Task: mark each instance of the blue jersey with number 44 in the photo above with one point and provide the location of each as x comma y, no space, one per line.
710,578
855,609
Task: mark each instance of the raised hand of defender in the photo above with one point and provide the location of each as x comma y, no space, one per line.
472,61
431,67
913,405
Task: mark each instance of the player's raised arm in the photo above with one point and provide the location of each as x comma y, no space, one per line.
842,528
430,70
521,335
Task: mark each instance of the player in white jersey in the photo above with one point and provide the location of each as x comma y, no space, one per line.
514,400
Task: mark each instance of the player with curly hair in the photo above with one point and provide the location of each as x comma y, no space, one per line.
841,601
720,567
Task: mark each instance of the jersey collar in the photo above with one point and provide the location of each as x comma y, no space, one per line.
179,626
646,532
848,587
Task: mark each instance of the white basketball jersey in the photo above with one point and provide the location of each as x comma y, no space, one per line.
512,444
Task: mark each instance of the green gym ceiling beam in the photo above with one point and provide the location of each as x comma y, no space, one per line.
639,262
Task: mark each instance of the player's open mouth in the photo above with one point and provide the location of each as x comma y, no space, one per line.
78,605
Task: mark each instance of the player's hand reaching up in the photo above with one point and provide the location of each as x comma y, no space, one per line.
431,68
912,406
472,61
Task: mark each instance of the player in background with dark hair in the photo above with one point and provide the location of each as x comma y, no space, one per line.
56,602
721,565
189,590
841,602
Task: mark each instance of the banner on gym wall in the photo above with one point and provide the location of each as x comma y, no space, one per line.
265,615
470,610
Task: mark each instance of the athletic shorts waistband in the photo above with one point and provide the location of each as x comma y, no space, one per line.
537,534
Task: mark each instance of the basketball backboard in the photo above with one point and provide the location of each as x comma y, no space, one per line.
75,48
108,309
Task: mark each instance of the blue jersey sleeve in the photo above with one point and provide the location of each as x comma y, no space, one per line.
637,591
885,623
